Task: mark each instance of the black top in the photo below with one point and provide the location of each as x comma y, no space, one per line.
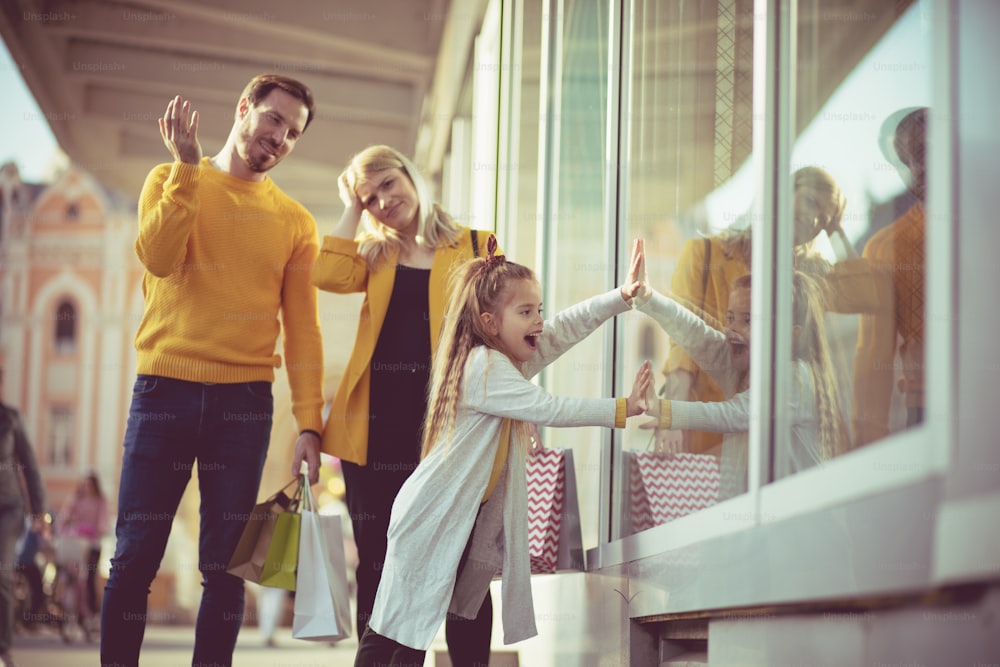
400,371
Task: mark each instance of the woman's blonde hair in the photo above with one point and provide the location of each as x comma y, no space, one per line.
820,194
435,228
480,286
811,346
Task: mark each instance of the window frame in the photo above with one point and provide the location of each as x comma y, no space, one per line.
862,474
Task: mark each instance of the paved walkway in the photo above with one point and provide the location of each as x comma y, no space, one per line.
170,646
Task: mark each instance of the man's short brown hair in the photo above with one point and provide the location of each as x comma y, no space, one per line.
261,86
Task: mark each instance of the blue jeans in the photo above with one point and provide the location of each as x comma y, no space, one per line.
174,425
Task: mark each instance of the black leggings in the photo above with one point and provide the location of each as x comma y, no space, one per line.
371,491
378,651
93,558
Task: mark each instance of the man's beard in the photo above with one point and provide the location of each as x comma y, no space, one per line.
253,162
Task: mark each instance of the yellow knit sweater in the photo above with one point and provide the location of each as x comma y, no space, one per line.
223,257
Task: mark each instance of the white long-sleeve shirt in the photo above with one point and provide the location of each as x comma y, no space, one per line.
436,509
709,349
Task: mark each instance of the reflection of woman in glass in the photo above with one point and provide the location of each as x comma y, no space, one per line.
708,267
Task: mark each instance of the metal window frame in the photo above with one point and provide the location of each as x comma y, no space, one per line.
769,507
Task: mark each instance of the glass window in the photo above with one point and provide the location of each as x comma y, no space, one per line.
65,330
60,449
519,220
855,356
687,192
576,261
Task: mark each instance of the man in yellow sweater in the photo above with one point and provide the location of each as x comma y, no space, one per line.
896,254
226,252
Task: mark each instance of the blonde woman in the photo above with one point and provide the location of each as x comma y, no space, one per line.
398,247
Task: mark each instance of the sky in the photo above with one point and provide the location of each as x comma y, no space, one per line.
27,139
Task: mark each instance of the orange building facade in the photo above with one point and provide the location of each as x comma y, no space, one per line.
70,299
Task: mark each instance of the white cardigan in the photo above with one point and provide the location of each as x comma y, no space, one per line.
436,509
709,349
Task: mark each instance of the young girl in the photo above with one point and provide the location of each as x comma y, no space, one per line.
818,430
462,514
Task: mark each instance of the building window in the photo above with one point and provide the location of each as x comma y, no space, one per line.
72,212
60,445
65,327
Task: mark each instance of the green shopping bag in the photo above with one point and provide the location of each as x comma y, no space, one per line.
283,552
248,558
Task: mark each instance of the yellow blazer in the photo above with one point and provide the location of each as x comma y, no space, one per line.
341,270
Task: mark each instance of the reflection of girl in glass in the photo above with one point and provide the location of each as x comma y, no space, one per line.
818,430
708,267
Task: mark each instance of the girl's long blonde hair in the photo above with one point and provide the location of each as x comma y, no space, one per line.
435,228
479,286
811,347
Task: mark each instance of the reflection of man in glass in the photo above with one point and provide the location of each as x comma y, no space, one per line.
897,257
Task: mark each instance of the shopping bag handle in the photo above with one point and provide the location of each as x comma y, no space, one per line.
308,500
652,447
282,499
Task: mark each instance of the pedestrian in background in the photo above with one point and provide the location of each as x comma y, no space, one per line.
17,460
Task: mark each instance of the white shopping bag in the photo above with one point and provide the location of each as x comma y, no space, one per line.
322,599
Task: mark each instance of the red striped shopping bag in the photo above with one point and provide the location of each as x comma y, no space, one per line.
663,487
554,539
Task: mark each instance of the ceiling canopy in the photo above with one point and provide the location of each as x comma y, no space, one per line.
103,71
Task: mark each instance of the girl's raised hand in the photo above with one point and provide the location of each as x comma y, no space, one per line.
637,403
636,283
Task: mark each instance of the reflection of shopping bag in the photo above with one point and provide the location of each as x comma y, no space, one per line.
322,598
554,539
663,487
248,558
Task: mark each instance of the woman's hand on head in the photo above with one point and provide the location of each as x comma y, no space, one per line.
348,195
353,207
